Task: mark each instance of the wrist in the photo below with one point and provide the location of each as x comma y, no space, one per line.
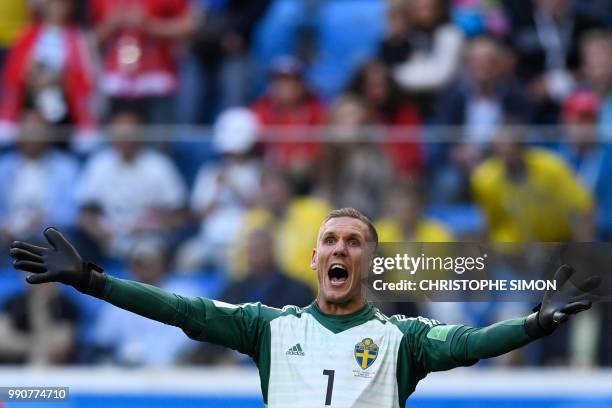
93,280
533,328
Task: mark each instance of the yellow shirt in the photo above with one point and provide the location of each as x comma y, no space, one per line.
541,207
13,18
427,230
295,235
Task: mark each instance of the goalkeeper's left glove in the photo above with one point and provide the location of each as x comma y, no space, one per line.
60,263
557,305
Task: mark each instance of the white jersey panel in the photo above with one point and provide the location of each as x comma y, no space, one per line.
310,366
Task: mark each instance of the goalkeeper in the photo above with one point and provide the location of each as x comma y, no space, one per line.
339,351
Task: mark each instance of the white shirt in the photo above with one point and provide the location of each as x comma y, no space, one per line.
482,119
29,194
50,49
126,191
227,186
433,70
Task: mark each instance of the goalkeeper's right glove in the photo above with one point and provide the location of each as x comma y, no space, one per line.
60,263
557,305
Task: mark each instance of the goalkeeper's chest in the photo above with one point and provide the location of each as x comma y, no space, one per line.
310,366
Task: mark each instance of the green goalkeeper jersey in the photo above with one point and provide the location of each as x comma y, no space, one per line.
307,358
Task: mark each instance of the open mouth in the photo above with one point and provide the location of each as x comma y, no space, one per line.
337,274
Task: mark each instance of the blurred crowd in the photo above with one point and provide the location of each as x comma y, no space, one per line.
197,144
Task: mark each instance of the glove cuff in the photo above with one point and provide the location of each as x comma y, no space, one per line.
95,280
533,328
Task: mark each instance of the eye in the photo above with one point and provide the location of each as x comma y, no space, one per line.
329,240
354,242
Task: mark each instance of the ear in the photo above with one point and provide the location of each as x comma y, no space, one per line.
313,259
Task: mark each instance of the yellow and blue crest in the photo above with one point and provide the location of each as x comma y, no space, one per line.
366,352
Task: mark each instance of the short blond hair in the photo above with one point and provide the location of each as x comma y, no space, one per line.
353,213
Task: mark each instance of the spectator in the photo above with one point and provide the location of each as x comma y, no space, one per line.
596,53
222,45
292,215
591,159
138,39
546,36
473,108
38,327
127,190
126,338
396,47
389,106
433,45
223,191
530,195
287,109
40,190
265,282
354,170
50,69
486,92
405,220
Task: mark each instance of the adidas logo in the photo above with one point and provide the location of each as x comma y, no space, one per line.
295,351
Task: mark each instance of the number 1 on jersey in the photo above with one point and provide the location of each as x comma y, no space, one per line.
330,385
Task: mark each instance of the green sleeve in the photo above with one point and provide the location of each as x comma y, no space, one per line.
470,344
430,346
438,347
239,327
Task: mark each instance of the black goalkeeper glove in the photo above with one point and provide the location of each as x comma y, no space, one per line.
556,307
60,263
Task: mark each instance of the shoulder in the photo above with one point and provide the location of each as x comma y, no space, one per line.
449,33
158,164
308,209
9,160
269,314
207,173
261,107
545,160
61,159
388,230
543,155
103,158
413,325
430,230
260,310
154,158
488,171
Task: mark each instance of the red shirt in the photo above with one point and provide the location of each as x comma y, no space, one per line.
288,148
136,64
402,143
77,77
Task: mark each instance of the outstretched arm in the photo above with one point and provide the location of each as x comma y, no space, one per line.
557,305
441,347
471,344
235,326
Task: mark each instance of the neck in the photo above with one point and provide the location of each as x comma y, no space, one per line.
485,88
340,308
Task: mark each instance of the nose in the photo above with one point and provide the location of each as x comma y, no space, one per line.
340,248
